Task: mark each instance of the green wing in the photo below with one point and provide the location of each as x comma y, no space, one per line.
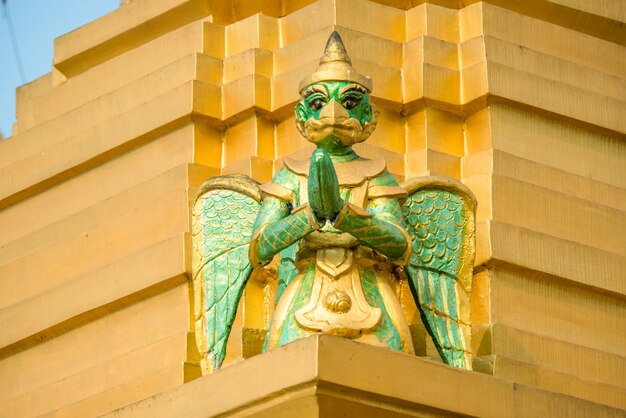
222,224
440,214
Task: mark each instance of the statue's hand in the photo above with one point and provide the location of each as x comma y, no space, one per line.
323,187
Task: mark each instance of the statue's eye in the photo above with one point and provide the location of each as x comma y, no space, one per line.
316,104
351,102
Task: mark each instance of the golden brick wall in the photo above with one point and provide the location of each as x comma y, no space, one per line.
522,100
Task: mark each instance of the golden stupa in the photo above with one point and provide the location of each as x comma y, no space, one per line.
522,101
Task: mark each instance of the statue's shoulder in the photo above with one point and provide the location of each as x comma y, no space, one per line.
296,167
284,185
357,171
385,185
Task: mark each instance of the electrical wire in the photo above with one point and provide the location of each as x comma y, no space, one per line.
16,49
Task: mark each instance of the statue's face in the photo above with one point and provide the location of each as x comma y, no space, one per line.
334,115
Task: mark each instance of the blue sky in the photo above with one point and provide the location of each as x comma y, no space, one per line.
36,24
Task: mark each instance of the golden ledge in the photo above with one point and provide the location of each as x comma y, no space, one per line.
325,376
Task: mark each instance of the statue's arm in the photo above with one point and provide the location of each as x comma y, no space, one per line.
379,228
276,229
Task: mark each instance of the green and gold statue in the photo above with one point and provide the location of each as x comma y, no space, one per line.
344,231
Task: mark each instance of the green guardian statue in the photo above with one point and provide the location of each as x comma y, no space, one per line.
344,231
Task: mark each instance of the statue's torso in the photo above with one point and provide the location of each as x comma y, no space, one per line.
342,287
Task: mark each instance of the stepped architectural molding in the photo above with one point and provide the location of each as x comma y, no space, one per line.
523,101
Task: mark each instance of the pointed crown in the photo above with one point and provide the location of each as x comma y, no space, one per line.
335,65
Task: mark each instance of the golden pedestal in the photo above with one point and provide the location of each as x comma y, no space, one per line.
327,376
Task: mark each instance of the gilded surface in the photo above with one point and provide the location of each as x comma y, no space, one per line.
341,227
522,100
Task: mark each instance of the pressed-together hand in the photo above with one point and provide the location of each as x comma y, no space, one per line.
323,187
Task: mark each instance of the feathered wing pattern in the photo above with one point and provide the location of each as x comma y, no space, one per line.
222,225
440,217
